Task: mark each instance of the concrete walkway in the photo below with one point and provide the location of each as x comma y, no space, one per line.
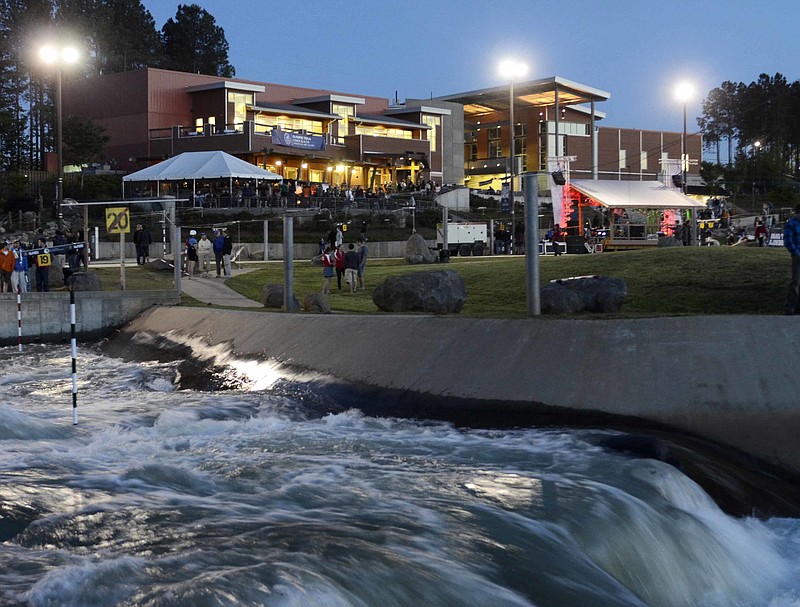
214,291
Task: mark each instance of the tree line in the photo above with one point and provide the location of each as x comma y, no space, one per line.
758,124
112,36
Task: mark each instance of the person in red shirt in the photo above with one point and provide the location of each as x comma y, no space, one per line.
327,270
338,262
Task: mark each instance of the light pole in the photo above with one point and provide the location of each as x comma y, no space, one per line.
512,70
59,56
684,92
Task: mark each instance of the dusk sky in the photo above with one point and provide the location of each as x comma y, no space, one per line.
637,50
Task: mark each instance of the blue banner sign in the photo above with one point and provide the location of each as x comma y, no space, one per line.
298,140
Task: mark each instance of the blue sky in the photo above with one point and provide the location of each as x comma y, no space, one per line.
637,50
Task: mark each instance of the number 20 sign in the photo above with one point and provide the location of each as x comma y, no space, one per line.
118,220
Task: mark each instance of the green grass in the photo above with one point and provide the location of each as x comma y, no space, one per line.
661,282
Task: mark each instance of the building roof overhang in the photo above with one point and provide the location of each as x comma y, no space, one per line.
227,84
418,109
536,93
332,98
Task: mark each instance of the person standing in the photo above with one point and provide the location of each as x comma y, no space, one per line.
218,244
19,277
791,240
205,248
362,261
142,240
227,251
6,267
191,253
558,238
762,233
42,268
351,267
338,262
327,270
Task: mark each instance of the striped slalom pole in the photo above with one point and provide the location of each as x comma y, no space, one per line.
19,318
74,347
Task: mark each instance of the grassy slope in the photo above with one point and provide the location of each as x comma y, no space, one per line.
668,281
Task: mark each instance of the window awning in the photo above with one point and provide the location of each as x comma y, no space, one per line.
634,194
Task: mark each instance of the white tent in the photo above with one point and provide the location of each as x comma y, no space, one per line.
634,194
191,166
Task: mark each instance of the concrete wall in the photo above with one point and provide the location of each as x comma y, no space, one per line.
46,316
733,380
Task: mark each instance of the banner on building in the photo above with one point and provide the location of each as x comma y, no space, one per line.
505,199
301,141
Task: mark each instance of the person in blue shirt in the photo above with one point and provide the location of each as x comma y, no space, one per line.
219,243
791,240
19,277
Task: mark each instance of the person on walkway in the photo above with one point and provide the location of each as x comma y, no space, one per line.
6,267
327,270
19,277
351,267
142,240
791,240
191,253
217,244
338,263
362,261
205,249
227,251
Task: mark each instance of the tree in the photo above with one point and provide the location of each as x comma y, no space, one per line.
84,140
193,42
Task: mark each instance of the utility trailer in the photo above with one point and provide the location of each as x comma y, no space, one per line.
463,238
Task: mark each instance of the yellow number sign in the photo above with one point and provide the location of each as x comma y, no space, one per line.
43,260
118,221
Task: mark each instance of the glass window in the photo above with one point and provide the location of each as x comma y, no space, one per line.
287,123
382,131
240,102
472,151
643,160
623,162
433,134
346,113
494,132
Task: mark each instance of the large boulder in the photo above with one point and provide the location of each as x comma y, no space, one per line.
439,292
584,294
83,281
317,303
272,296
418,251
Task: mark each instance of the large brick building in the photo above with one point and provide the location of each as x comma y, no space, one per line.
335,137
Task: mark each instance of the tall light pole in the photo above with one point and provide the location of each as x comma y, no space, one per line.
512,70
684,92
59,56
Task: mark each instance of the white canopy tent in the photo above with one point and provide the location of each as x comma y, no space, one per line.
634,194
201,165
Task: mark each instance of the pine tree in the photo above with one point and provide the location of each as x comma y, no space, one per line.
193,42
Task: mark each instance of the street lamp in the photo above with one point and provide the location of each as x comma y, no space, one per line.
59,56
512,70
684,92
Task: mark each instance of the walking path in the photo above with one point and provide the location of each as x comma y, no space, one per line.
214,291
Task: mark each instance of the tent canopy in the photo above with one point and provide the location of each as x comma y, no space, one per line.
634,194
202,165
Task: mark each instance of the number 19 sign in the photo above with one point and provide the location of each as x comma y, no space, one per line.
118,220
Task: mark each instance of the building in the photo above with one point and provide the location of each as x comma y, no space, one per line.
339,138
556,126
302,134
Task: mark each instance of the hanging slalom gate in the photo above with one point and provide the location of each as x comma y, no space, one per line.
74,350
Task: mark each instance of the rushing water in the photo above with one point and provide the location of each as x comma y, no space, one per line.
266,494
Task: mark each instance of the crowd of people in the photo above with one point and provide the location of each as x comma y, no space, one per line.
305,193
202,255
348,263
25,266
